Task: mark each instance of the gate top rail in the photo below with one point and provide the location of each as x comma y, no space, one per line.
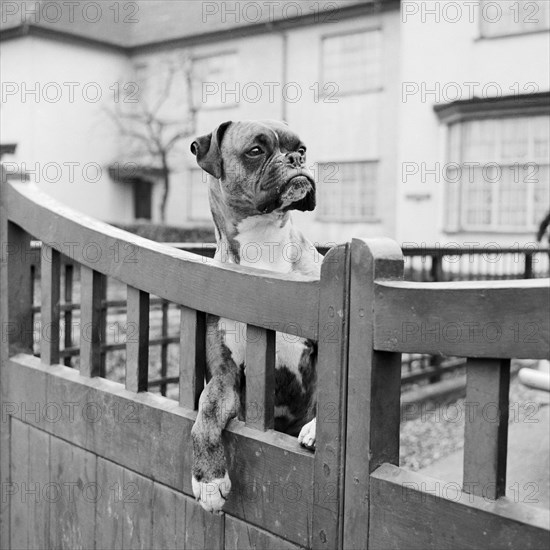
497,319
175,275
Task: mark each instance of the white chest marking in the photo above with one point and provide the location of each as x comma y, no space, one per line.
288,347
266,245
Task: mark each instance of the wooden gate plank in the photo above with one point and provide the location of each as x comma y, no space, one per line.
72,511
239,535
169,510
137,495
413,511
109,514
39,474
19,479
272,462
203,529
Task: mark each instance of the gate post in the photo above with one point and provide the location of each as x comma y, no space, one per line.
373,386
328,469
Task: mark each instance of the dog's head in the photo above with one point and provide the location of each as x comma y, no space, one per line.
260,166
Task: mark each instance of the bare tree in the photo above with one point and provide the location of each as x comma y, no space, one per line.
151,126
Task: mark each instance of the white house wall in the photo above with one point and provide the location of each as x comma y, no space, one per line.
438,54
356,127
54,134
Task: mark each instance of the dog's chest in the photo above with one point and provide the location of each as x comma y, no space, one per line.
294,372
289,349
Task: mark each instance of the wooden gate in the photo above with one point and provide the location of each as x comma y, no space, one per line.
89,463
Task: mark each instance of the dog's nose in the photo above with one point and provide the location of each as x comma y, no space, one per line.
294,159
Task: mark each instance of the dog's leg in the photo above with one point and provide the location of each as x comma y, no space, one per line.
219,403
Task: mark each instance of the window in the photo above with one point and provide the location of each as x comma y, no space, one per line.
347,191
215,81
198,205
351,62
508,17
498,174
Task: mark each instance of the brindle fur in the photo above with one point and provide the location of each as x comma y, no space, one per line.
250,201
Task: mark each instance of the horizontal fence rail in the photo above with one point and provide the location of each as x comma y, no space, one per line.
178,276
422,264
507,319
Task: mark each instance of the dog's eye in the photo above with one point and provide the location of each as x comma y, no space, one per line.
302,151
255,152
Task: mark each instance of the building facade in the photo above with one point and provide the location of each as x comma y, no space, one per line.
425,121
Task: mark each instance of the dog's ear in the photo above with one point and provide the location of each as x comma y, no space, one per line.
207,150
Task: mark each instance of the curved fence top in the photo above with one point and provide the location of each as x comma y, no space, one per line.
262,298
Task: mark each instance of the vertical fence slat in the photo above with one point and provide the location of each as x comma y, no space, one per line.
374,386
103,325
164,346
90,322
486,428
68,316
16,326
327,520
137,340
260,377
18,258
50,280
192,356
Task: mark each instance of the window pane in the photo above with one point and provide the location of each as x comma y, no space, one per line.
347,191
480,141
477,198
512,204
352,61
514,139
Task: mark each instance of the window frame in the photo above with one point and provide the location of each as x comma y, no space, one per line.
203,106
458,218
368,89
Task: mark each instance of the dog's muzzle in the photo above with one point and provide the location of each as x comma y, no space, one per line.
296,189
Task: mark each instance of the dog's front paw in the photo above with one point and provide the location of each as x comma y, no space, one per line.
307,435
212,494
210,481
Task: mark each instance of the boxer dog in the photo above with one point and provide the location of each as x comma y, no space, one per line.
257,176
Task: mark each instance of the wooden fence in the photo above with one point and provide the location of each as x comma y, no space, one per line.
421,264
89,463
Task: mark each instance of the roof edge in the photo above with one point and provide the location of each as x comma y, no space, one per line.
347,12
475,108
